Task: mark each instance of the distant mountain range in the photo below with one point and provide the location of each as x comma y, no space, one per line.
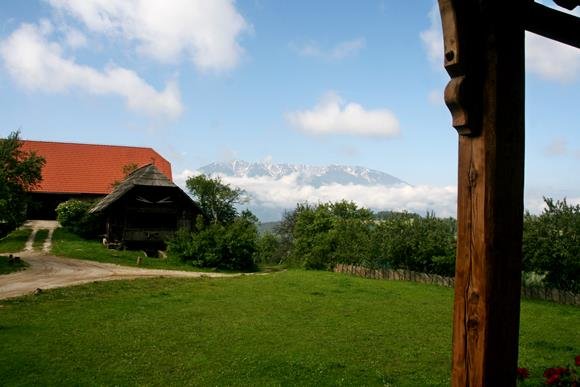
273,188
315,176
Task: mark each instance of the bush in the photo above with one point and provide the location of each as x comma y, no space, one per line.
551,245
411,242
269,249
74,216
331,233
324,235
231,246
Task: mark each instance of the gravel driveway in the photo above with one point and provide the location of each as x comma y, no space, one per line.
47,271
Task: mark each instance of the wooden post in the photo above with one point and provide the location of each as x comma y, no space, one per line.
484,55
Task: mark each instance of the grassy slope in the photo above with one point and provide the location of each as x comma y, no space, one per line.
69,245
6,268
291,328
15,241
39,239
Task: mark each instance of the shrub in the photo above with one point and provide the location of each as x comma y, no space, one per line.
74,216
411,242
231,246
551,244
323,235
269,249
331,233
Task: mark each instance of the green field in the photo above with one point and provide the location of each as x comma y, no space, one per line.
7,268
15,241
67,244
288,328
39,239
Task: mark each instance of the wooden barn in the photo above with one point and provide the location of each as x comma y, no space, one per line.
145,209
83,171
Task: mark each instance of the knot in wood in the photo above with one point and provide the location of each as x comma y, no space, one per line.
472,176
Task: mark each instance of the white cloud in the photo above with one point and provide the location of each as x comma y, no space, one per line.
181,177
339,51
206,32
552,60
332,115
433,38
39,64
286,192
74,38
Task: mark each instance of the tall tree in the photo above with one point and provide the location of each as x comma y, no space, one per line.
217,199
20,171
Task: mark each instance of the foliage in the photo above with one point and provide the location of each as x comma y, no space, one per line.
522,374
423,244
15,241
293,328
19,172
331,233
551,244
319,237
285,230
74,216
228,240
268,249
216,199
67,244
230,246
563,376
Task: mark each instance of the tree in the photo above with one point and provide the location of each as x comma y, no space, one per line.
331,233
19,172
74,216
551,244
127,170
231,246
217,199
223,239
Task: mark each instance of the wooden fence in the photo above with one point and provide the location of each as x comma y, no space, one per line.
537,293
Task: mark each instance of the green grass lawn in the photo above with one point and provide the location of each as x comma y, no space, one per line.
67,244
15,241
7,268
39,239
288,328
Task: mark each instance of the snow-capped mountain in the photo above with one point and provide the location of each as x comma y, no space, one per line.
273,188
315,176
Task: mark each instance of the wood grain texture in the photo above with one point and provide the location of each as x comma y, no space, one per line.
490,194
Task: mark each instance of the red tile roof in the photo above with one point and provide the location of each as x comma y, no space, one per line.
86,168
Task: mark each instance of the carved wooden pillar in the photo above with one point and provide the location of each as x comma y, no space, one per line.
484,55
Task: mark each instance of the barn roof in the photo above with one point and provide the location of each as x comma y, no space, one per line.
89,168
147,175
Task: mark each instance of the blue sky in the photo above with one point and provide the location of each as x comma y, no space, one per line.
310,82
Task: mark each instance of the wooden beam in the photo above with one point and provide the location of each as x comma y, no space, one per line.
552,24
568,4
490,188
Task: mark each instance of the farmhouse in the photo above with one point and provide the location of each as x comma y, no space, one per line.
83,171
145,209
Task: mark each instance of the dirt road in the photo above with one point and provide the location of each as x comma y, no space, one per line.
47,271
